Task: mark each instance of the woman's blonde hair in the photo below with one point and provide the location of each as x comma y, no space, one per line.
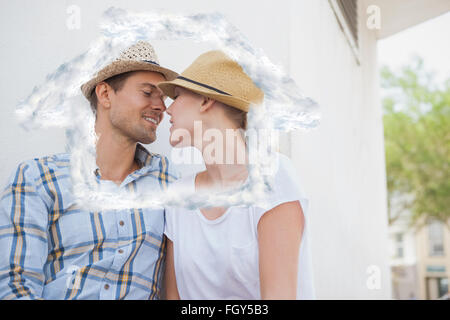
239,117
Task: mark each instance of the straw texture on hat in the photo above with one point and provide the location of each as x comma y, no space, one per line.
217,76
139,57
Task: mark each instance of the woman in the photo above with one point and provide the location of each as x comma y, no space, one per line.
237,252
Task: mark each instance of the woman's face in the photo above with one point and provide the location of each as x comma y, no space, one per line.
184,112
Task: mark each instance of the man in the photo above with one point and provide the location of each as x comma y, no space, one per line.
50,248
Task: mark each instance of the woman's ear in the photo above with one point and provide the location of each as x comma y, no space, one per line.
206,104
103,98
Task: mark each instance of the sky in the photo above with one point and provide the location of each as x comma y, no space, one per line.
429,40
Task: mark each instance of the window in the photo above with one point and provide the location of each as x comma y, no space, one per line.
399,245
443,286
346,12
436,287
436,238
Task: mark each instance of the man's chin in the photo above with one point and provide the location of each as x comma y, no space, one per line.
147,140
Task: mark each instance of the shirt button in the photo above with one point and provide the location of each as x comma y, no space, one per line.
106,286
121,222
120,251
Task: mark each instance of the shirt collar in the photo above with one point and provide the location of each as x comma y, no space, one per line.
143,158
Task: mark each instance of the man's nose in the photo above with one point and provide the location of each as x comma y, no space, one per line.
158,104
158,98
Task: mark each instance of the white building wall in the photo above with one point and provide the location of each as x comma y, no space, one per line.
341,164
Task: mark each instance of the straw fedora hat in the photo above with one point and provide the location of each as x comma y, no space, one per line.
139,57
217,76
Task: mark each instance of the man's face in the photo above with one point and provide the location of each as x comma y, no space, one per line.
138,107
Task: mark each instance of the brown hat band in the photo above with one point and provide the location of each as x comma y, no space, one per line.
203,85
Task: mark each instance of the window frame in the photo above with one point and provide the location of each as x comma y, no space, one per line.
435,240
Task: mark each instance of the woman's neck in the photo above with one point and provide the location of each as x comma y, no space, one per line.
225,162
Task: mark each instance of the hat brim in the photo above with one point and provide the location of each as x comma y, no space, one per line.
122,66
168,87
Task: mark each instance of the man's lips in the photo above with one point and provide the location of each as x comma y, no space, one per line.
152,119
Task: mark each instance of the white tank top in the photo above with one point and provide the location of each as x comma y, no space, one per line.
218,259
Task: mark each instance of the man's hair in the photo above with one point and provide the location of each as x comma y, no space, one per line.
116,82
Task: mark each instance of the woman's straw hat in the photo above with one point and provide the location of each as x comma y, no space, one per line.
217,76
139,57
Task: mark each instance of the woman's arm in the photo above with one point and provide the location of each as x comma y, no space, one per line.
170,280
279,234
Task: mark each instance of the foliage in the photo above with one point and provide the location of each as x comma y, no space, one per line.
417,143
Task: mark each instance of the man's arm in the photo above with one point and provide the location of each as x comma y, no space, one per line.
23,236
279,234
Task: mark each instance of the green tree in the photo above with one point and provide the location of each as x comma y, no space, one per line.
417,144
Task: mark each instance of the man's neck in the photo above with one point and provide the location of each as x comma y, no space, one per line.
115,157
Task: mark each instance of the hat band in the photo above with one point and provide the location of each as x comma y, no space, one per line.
152,62
203,85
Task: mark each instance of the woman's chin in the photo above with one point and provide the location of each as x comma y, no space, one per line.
177,143
179,138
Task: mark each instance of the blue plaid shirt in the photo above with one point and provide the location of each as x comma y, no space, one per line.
51,249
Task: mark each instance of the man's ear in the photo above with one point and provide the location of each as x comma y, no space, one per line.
103,95
207,103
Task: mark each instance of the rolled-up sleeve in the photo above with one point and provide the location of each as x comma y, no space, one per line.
23,236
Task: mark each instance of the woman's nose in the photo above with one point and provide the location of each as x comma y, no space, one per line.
169,110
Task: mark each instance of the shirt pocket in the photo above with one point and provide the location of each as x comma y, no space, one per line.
245,262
